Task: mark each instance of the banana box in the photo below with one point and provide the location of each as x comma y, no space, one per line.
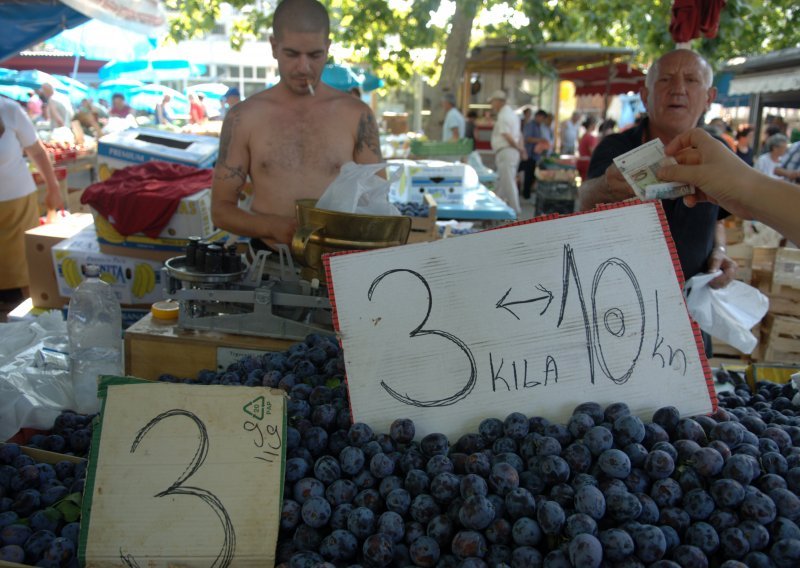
134,280
191,219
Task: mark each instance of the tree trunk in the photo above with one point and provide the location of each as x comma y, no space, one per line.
455,60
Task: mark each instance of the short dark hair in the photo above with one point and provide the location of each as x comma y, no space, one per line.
117,96
300,16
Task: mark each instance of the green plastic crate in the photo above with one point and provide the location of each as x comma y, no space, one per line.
430,149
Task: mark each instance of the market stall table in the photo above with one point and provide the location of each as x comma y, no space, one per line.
477,204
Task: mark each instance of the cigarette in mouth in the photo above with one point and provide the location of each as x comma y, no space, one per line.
311,89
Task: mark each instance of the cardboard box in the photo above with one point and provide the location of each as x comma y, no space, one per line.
157,250
192,219
423,229
139,145
39,241
154,347
134,281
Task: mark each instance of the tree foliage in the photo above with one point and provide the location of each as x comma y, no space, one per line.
398,38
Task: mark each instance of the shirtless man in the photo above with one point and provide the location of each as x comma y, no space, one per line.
293,138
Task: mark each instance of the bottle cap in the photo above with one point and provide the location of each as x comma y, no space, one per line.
166,310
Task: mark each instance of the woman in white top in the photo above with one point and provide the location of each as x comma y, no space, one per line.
775,148
19,208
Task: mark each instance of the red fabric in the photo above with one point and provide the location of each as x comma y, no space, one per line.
143,198
197,113
586,146
710,11
685,23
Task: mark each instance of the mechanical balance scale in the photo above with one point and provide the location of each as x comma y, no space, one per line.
265,293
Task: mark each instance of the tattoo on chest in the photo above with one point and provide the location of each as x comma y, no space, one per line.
367,137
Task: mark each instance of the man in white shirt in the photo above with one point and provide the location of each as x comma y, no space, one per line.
508,149
454,124
569,134
59,109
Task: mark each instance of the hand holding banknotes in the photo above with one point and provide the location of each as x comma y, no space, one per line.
618,188
721,177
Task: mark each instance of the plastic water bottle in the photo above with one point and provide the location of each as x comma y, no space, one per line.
94,325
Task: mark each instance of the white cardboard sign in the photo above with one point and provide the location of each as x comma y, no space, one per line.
536,317
186,475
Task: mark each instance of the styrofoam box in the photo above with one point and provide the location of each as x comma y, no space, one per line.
139,145
134,280
444,181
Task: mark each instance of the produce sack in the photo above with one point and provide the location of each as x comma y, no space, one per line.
358,189
727,313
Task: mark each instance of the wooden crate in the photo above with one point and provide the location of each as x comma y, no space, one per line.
734,230
742,254
786,270
153,348
781,339
764,259
423,229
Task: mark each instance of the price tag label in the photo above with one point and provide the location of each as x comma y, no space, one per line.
185,475
535,318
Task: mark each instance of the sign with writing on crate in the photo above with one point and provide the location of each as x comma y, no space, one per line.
185,475
536,317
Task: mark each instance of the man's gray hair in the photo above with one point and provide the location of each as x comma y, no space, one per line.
652,73
774,141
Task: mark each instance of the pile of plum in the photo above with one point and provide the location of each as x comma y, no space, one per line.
39,509
604,489
71,434
412,209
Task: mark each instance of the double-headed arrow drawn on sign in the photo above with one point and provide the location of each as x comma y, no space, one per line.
501,303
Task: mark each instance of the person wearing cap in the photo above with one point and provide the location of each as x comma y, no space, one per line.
291,140
454,125
232,96
508,149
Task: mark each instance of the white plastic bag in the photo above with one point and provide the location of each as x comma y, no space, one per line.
726,313
357,189
32,396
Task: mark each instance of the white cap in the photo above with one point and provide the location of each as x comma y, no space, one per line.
498,94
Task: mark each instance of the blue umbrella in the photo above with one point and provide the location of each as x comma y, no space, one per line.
146,98
151,69
124,87
209,90
371,82
97,40
340,77
15,92
344,78
76,91
34,79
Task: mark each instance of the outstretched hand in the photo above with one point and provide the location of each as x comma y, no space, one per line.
719,176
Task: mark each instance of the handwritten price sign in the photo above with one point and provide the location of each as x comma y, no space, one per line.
186,475
534,318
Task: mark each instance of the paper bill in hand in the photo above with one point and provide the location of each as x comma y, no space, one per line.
639,167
